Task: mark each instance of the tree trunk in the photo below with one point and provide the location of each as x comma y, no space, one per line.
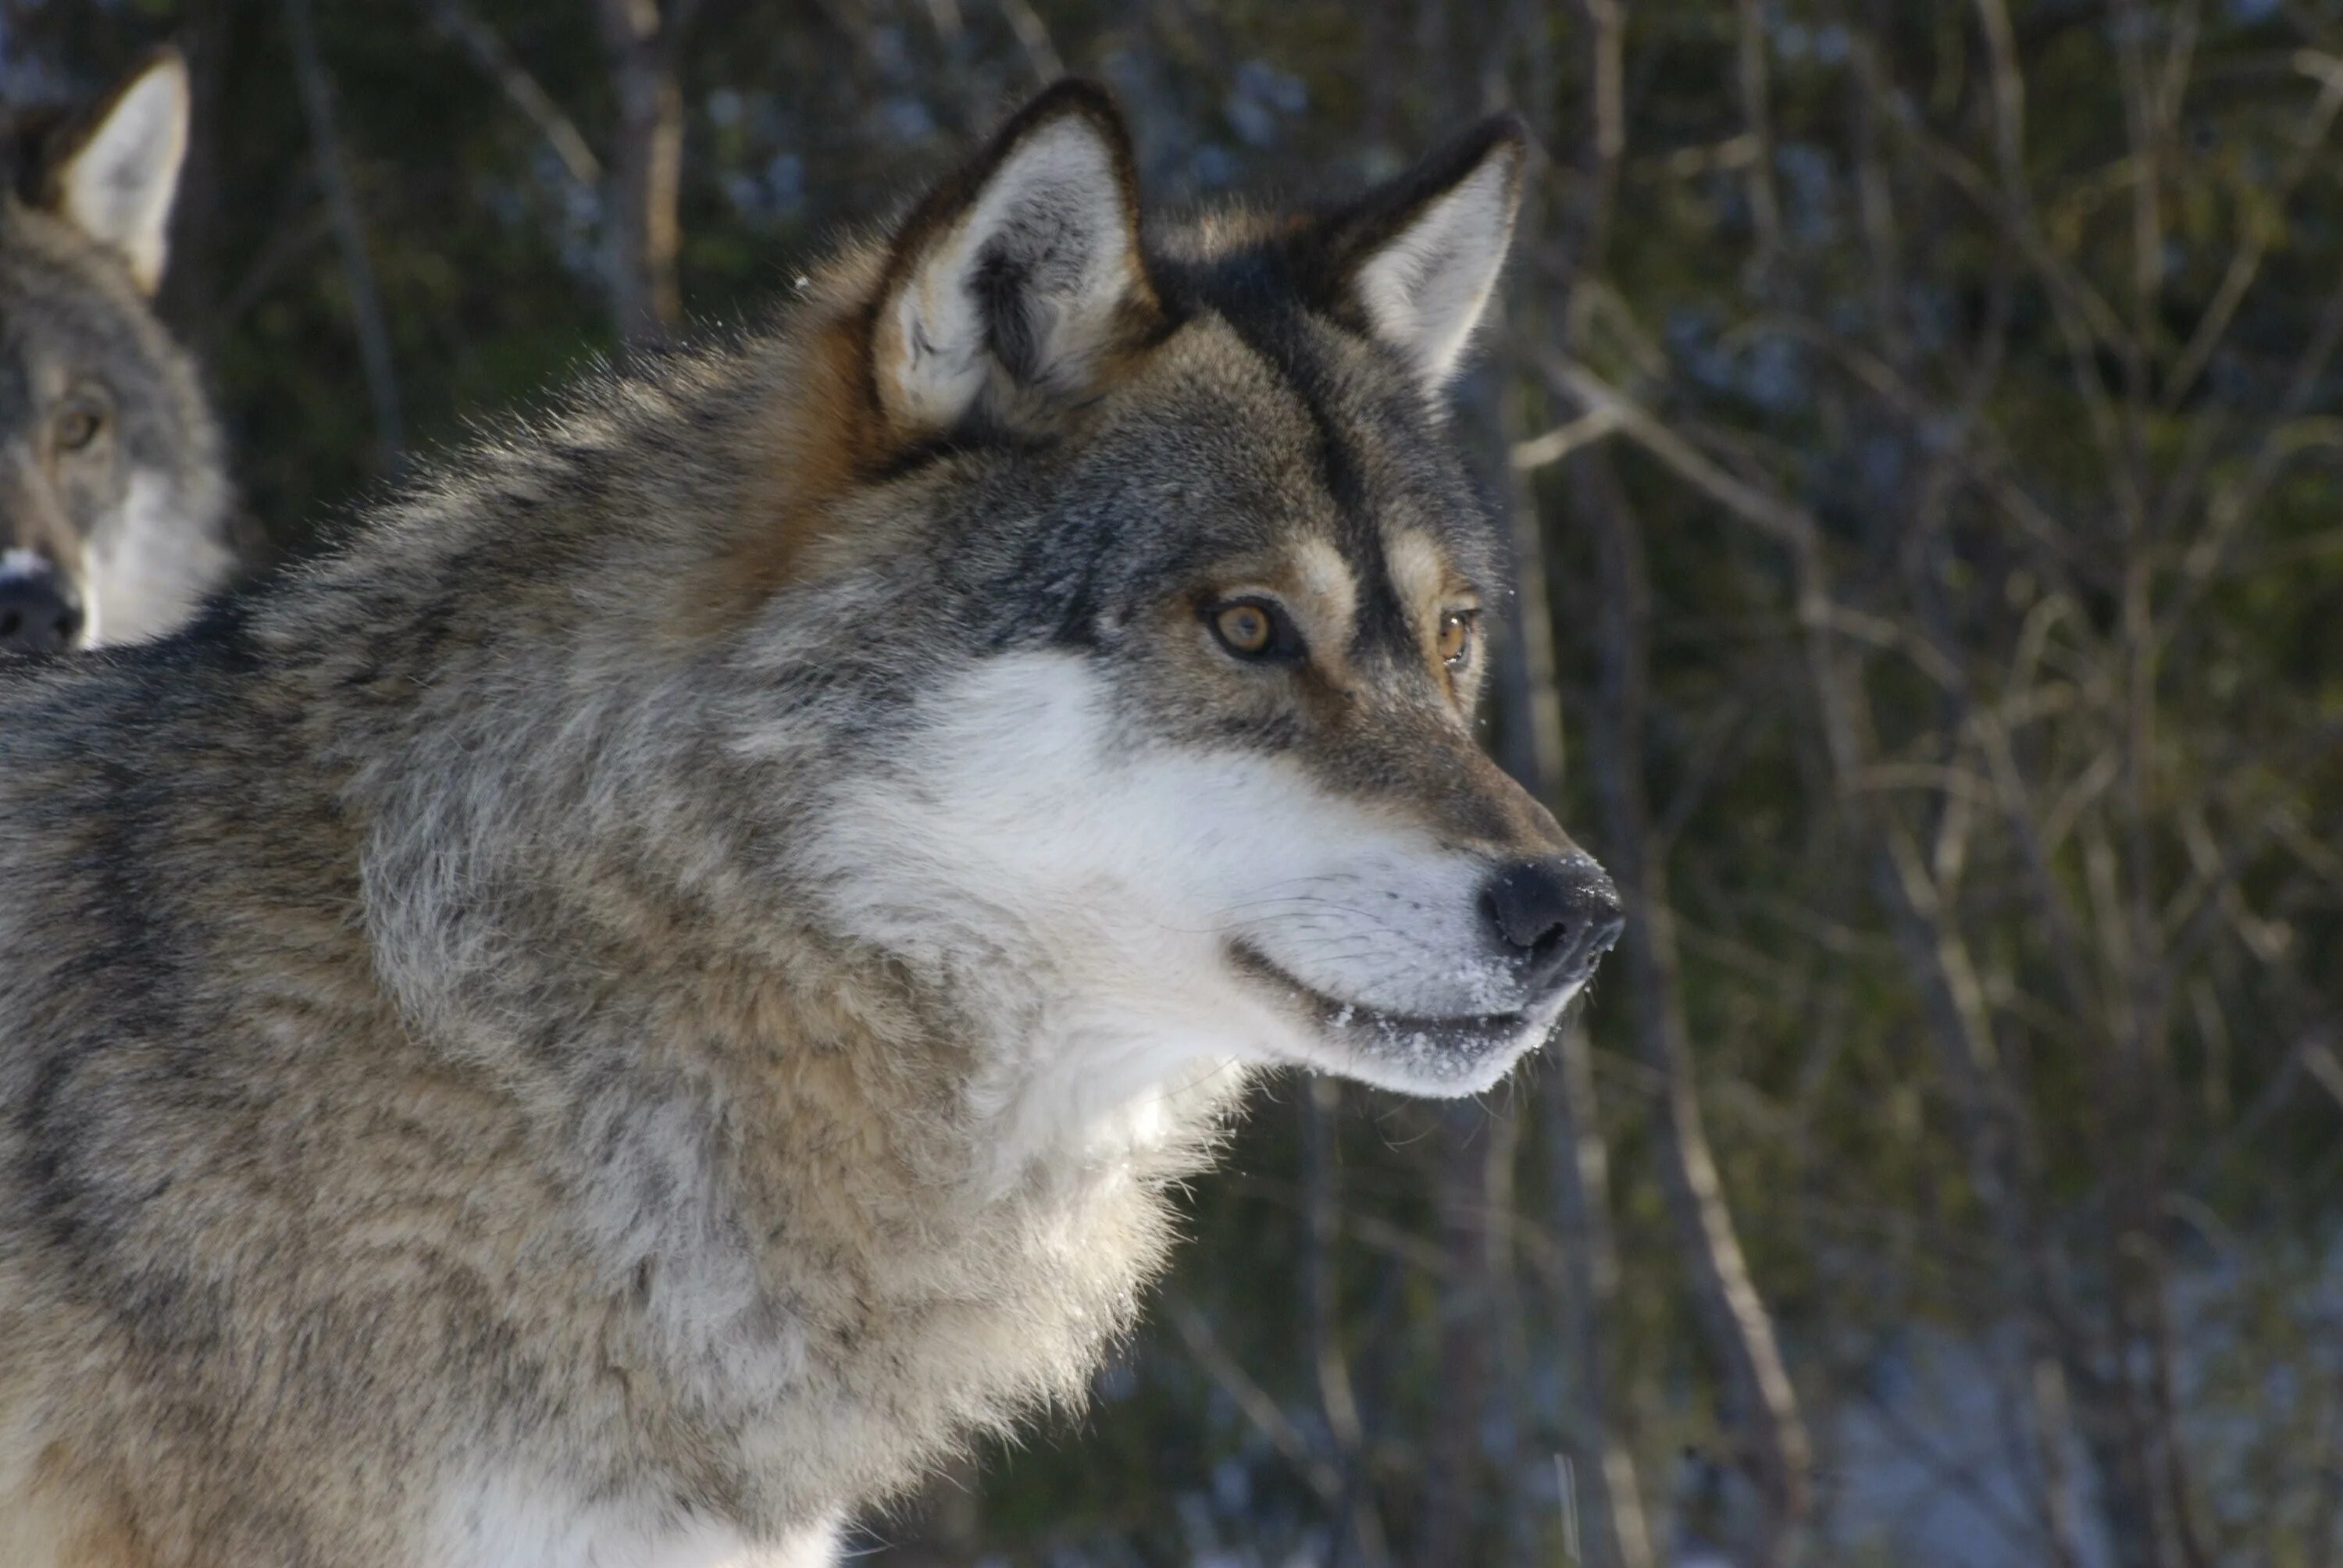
349,234
1359,1534
1604,1492
1457,1478
1764,1403
191,284
642,192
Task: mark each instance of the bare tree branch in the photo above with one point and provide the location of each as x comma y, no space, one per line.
1264,1411
1363,1542
1739,1329
560,132
1764,199
349,232
1580,1178
1034,37
2245,261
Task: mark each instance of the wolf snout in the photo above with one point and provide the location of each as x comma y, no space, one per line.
1552,919
38,613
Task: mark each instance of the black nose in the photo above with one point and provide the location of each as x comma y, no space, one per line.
1553,917
36,615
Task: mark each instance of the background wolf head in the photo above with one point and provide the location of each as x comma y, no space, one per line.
113,505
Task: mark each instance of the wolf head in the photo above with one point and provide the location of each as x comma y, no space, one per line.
1077,618
1197,780
113,509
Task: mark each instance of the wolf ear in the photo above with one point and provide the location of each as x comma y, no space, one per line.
116,182
1419,256
1017,277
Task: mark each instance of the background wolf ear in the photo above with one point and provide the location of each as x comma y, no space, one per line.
1019,275
115,182
1419,257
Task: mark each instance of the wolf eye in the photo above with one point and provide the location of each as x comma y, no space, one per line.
1244,627
1255,629
1459,630
77,426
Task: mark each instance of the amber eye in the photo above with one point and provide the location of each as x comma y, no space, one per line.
1457,631
77,426
1244,627
1255,629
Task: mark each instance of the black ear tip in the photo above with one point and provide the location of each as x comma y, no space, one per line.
1505,131
1086,91
1076,95
162,57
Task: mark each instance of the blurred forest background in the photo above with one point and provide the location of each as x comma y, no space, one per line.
1919,425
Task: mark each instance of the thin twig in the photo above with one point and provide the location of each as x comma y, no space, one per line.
528,94
349,231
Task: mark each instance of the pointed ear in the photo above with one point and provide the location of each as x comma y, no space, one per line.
1010,287
115,182
1418,256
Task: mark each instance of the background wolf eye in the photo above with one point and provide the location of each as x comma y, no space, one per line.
1255,629
77,427
1457,628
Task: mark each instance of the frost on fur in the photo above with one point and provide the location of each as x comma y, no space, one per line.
1017,277
118,185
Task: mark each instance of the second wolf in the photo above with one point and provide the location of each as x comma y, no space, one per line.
114,510
620,1013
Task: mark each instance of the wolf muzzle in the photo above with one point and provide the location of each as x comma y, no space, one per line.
39,611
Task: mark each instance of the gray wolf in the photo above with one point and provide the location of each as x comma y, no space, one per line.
115,511
657,985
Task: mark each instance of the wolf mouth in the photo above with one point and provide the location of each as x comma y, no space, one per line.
1375,1030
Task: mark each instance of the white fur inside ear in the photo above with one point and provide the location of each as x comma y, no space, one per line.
1426,288
118,185
1025,281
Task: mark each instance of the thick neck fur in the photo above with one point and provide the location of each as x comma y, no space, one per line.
459,994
